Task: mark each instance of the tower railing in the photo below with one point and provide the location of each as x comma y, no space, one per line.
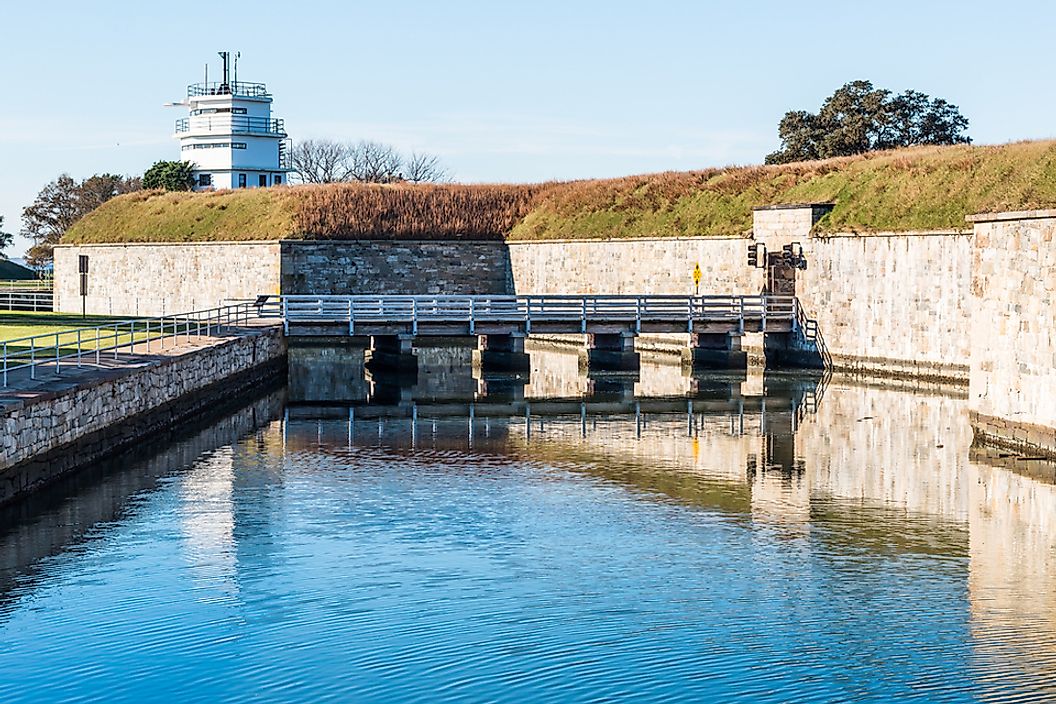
234,124
237,88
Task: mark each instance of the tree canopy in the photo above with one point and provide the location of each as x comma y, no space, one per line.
6,238
859,118
170,176
63,202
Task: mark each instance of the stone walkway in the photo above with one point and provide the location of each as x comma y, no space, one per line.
52,380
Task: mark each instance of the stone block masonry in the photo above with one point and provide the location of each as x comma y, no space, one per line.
167,278
46,435
162,279
1012,390
408,267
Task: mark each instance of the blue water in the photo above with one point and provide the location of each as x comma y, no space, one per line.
321,560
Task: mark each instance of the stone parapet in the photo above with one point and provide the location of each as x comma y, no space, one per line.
46,435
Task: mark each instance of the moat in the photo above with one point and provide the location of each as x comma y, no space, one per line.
665,538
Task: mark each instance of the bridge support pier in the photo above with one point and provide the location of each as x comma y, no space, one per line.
715,351
392,353
502,353
611,352
791,350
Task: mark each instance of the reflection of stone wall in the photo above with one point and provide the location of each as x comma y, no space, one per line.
1012,393
1012,578
886,446
39,436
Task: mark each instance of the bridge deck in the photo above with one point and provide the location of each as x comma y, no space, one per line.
505,315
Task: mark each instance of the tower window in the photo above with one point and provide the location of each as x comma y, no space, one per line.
277,180
263,181
241,180
238,145
205,179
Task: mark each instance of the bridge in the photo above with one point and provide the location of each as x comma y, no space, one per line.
610,323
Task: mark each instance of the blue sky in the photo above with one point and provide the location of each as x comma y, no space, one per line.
502,91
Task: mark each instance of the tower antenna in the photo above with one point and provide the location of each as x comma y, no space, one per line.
225,87
238,55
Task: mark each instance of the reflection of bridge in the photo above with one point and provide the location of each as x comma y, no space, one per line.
714,324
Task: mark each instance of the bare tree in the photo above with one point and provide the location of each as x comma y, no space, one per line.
321,161
330,161
373,162
423,168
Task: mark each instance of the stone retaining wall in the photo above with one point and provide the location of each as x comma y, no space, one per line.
889,304
411,267
47,436
161,279
1012,392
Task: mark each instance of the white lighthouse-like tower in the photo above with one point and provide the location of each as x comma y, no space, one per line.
230,135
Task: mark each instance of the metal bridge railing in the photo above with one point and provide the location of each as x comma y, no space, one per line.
78,346
526,309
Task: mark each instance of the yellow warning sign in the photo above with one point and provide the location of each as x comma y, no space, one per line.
697,275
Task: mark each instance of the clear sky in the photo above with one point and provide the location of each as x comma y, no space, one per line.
502,91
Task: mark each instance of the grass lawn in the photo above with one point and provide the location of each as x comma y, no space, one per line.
16,325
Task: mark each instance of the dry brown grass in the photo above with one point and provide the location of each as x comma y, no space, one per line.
924,188
363,211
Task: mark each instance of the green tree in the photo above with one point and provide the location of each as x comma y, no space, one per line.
170,176
6,238
859,118
63,202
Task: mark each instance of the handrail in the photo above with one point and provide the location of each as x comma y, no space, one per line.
532,309
235,88
91,342
233,124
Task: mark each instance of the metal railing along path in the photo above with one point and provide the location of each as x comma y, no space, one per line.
577,311
89,344
32,301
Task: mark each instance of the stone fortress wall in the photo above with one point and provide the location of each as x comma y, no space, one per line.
1012,394
939,305
111,411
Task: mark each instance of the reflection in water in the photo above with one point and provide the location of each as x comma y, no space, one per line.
560,538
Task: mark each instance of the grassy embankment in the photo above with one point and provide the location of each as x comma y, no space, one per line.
927,188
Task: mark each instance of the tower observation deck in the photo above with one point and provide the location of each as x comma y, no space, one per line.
230,136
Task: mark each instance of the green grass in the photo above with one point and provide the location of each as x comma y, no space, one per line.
924,188
59,329
14,325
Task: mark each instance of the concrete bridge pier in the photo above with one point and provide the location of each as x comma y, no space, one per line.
715,351
505,388
791,350
610,387
611,352
502,353
392,353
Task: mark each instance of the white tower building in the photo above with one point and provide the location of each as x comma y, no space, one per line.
230,135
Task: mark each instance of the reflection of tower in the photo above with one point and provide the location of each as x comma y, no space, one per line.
230,136
779,484
209,522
